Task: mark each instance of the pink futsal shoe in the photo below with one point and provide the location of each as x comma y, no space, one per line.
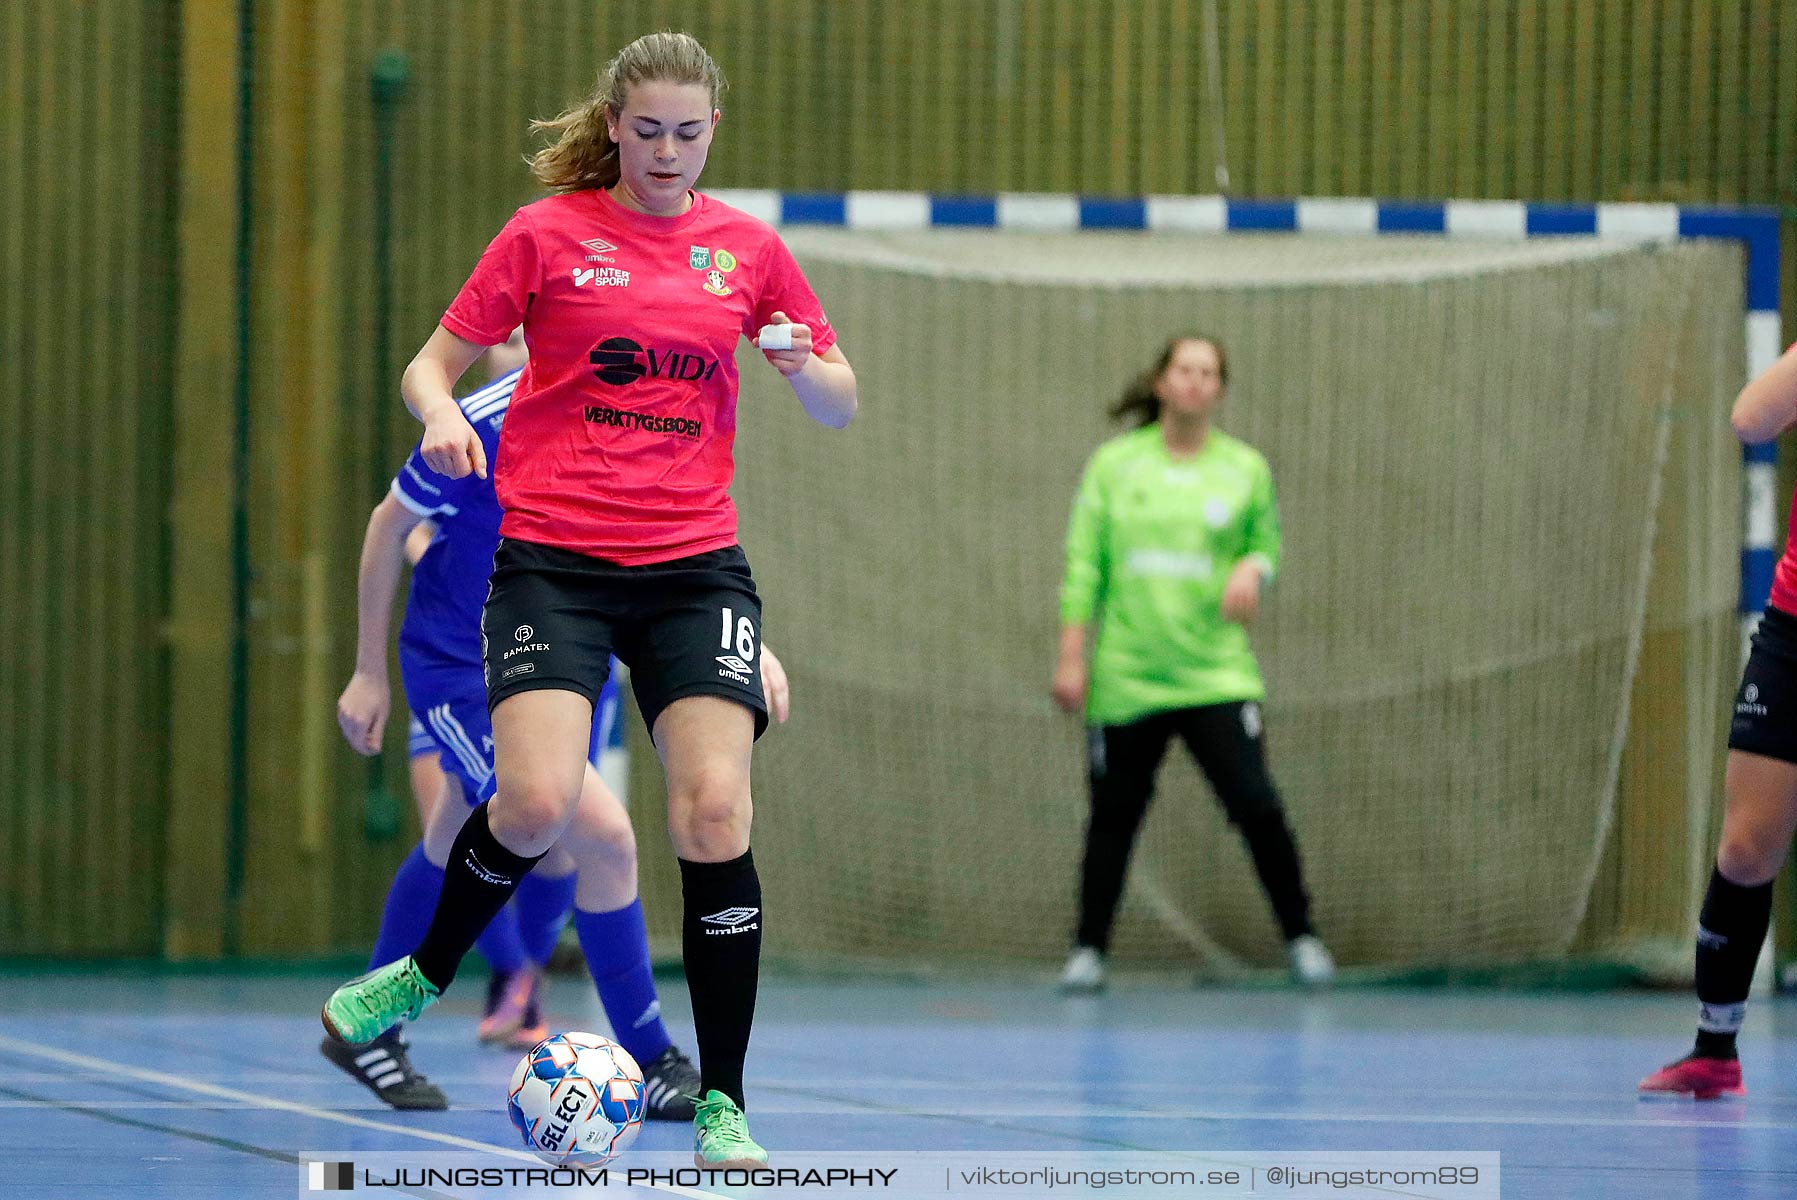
533,1030
1698,1078
509,1001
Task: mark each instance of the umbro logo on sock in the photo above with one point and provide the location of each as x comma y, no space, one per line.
1721,1018
732,920
484,875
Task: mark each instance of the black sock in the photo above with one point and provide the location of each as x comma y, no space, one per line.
1275,855
480,877
721,943
1730,931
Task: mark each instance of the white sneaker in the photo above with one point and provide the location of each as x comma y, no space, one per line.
1312,964
1084,971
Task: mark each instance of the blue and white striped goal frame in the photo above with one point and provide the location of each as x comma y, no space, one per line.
1756,228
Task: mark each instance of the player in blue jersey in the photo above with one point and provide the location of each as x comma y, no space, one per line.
592,869
431,646
512,1017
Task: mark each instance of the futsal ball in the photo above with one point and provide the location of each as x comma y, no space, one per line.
577,1099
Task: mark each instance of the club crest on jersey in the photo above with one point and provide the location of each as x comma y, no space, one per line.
724,261
714,283
699,257
601,249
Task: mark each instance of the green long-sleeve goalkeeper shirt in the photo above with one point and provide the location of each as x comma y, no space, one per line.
1150,545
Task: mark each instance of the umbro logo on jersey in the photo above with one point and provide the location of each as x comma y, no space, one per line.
600,249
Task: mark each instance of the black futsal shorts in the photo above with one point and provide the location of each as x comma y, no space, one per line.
688,627
1765,719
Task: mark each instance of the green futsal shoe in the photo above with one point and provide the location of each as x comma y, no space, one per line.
722,1135
369,1005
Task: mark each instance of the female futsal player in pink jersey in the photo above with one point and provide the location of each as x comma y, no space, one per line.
618,531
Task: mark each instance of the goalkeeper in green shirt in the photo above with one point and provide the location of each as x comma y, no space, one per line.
1174,533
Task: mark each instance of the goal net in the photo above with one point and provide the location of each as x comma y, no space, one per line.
1498,654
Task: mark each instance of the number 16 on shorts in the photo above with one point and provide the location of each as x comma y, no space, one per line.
737,640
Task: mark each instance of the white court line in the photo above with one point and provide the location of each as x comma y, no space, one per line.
164,1079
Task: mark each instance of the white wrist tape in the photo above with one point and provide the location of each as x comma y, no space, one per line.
775,337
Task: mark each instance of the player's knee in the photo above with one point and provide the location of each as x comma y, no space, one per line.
1748,856
532,811
709,816
604,840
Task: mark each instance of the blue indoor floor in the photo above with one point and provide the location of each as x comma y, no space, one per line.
209,1086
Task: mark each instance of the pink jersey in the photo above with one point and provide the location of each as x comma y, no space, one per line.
1784,576
619,442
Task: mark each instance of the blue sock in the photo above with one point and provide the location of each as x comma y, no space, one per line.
499,942
617,948
543,902
411,899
